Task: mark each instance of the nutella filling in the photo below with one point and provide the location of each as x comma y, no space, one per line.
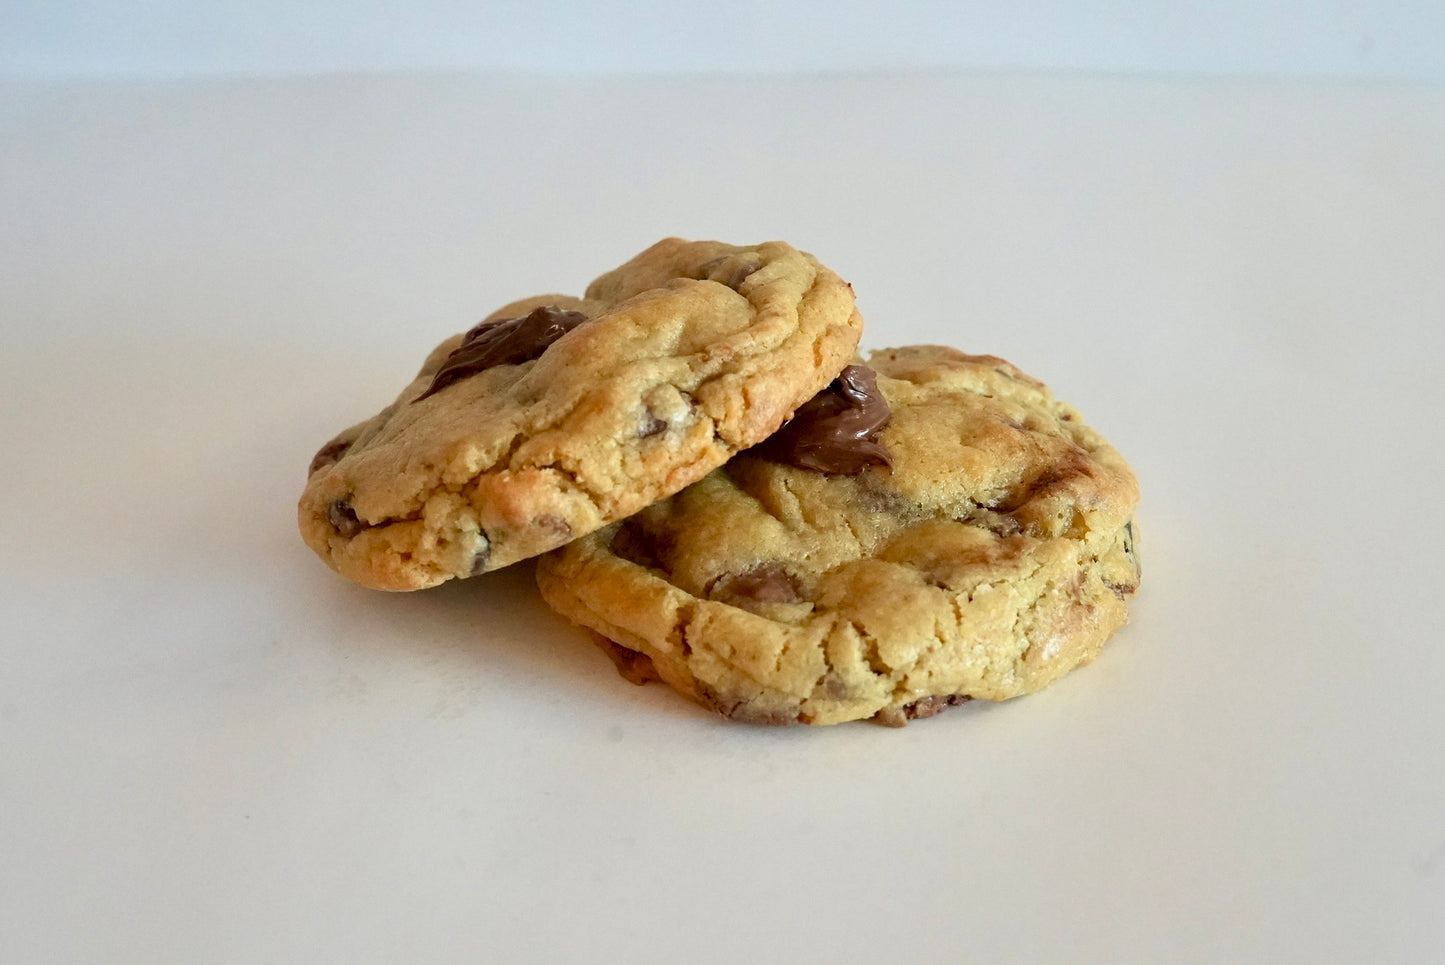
506,341
836,430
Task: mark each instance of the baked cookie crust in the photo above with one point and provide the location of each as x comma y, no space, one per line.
992,556
688,354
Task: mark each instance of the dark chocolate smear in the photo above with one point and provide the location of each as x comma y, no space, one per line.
506,341
836,430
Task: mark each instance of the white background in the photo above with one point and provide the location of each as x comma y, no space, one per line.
1402,39
213,749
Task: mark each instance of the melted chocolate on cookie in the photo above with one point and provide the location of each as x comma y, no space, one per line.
836,430
506,341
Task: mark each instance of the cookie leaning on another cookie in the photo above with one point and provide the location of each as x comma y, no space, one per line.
970,538
558,415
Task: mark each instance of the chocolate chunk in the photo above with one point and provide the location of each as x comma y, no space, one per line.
730,270
652,426
328,455
767,583
919,709
506,341
836,430
999,524
553,524
928,706
480,561
1121,590
343,518
1124,589
739,708
633,543
634,666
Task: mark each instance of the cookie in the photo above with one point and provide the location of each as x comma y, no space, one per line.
558,415
934,528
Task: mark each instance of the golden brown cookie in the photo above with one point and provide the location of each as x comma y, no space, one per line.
559,415
951,532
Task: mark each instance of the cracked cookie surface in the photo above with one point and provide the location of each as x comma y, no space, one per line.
558,415
992,554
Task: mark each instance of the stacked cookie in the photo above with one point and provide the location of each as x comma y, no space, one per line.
736,505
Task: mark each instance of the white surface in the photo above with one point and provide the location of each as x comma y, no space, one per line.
1289,38
216,750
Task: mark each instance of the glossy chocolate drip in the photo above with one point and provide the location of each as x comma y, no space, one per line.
506,341
836,430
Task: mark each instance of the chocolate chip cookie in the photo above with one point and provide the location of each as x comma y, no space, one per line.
935,527
558,415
